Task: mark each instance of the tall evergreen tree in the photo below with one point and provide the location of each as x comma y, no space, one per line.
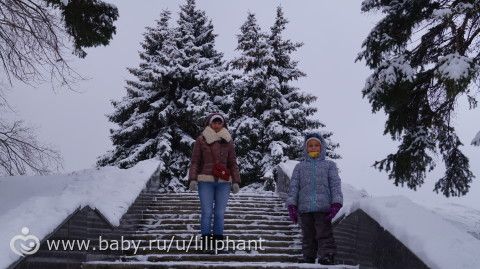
180,80
251,99
424,56
294,114
204,81
269,115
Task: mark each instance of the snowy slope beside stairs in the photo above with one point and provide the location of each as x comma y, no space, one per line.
163,216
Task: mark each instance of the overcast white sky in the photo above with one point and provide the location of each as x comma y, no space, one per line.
75,122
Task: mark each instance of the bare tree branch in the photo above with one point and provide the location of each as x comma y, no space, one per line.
21,153
32,42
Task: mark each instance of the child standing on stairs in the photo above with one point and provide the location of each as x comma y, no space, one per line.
315,192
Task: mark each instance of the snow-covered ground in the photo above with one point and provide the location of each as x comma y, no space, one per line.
443,235
41,203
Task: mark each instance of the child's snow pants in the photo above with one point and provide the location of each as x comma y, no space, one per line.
317,235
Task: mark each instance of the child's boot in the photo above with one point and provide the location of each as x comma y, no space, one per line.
307,260
328,259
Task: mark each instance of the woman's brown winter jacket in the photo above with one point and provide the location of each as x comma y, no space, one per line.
202,162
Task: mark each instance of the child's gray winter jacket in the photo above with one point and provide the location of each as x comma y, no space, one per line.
315,183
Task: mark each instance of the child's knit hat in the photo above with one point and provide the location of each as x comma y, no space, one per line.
313,136
214,115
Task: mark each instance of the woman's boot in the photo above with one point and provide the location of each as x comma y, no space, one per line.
221,249
207,245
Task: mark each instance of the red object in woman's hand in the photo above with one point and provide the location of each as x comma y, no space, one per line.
221,171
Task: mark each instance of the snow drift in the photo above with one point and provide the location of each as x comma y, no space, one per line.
41,203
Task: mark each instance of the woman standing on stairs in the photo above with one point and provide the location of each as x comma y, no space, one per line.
213,172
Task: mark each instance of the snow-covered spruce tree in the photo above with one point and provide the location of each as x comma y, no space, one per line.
424,56
268,115
178,81
205,83
251,99
292,114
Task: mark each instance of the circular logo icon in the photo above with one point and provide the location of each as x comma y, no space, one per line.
24,244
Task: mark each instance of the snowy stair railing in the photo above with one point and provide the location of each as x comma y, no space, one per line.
282,182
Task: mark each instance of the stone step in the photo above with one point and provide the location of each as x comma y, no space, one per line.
192,240
226,231
196,198
68,254
197,206
260,204
183,249
196,226
178,245
195,194
49,263
219,257
195,221
190,211
210,264
157,220
197,203
188,236
196,216
281,246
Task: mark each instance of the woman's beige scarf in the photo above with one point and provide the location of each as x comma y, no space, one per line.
212,136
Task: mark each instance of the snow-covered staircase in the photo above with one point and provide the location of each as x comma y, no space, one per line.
161,219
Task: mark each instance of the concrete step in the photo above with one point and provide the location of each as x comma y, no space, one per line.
145,241
191,211
49,263
197,203
157,221
226,232
210,264
196,216
196,226
196,198
195,194
266,208
182,244
183,249
187,236
230,257
195,221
